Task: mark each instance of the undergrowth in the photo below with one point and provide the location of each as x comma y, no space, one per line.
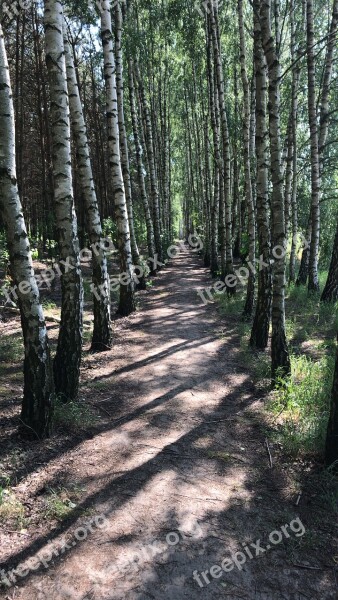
74,415
299,403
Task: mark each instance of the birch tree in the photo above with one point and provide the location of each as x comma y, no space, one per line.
127,296
261,324
330,291
313,284
68,355
331,448
149,141
250,296
102,336
124,142
215,191
226,175
291,206
140,167
279,348
37,407
318,139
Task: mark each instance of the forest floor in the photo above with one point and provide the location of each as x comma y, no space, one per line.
173,461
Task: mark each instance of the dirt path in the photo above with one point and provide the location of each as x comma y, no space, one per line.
180,471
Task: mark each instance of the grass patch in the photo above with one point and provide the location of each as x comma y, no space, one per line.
62,502
104,384
230,305
74,415
87,335
12,512
302,403
11,349
48,304
309,319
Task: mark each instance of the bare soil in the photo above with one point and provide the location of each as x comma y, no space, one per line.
176,461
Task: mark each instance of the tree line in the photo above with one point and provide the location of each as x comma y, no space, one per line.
148,121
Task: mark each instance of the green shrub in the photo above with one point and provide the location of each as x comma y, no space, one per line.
302,401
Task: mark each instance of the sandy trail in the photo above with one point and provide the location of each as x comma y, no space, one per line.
180,472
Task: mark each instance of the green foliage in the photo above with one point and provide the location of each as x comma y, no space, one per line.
35,253
61,502
302,401
308,319
74,415
87,293
11,351
12,512
48,304
4,256
109,228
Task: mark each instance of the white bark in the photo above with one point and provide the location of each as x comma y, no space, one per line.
101,297
140,167
127,300
225,140
314,146
151,160
260,328
37,408
247,163
68,355
279,347
123,136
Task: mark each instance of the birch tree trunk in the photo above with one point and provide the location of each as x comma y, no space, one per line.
330,292
127,298
279,348
37,407
261,324
151,158
124,143
225,142
313,284
250,296
304,263
215,195
291,207
324,113
140,169
207,197
236,196
68,355
102,336
331,449
324,120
